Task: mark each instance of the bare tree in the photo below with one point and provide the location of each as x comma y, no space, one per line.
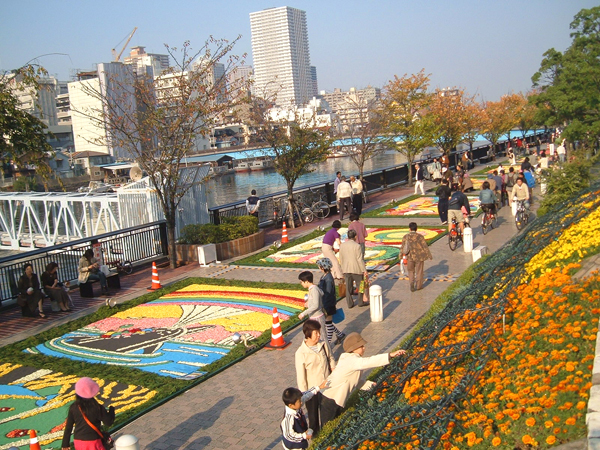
363,127
158,120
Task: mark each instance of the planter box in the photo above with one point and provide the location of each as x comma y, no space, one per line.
225,250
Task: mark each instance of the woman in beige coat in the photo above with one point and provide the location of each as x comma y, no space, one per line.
314,363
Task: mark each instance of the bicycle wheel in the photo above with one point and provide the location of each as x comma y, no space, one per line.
525,218
307,215
519,220
494,221
453,240
485,223
321,210
127,267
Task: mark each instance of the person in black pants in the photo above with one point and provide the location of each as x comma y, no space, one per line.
443,192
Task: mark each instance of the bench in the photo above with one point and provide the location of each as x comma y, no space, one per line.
86,289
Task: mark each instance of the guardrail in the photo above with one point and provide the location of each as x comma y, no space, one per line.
133,244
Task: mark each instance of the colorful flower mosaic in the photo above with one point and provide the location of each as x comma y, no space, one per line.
39,399
382,247
179,333
423,206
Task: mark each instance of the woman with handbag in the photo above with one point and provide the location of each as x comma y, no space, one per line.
314,362
88,416
327,285
89,269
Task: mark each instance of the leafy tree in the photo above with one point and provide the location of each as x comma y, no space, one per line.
450,115
564,181
364,130
22,135
527,116
474,120
171,113
406,121
568,82
295,142
499,118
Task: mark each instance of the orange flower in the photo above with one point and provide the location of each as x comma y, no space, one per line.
527,439
496,441
548,424
530,422
551,439
570,421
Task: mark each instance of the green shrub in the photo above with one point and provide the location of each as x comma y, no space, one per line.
563,182
231,228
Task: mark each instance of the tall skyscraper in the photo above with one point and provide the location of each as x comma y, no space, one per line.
281,55
315,83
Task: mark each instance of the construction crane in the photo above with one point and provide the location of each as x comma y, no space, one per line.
114,52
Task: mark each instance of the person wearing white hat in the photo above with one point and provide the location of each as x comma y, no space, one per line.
346,375
88,416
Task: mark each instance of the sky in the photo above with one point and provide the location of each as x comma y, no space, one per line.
487,47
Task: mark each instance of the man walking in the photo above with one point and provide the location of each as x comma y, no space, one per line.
420,179
357,193
338,179
416,250
353,266
343,196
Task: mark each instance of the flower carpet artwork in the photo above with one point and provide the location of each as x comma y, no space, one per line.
423,206
382,247
39,399
179,333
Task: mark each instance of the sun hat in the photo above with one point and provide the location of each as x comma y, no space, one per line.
86,388
353,341
324,263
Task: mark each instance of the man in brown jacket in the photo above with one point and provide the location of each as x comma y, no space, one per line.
353,266
416,250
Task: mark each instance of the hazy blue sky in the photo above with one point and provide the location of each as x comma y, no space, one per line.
489,47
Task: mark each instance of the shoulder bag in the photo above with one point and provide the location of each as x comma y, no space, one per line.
107,440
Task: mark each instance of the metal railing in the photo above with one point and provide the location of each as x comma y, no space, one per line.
133,244
374,181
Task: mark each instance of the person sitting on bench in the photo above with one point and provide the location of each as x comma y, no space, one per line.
89,269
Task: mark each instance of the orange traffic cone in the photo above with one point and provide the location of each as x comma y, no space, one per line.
284,236
155,281
33,441
277,341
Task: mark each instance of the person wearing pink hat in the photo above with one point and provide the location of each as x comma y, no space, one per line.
88,416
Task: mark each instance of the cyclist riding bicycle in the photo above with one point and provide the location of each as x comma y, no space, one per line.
520,191
487,198
457,201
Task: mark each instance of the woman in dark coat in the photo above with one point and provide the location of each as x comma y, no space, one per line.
327,285
30,296
86,438
53,288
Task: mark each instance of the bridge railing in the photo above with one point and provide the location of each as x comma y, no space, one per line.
135,244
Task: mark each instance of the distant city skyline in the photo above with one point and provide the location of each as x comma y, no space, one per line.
487,48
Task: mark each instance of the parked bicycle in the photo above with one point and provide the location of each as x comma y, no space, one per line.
319,209
124,267
489,220
522,216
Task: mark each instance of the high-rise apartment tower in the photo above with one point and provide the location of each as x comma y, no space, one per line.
281,55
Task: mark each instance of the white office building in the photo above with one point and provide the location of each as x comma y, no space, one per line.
40,103
142,61
113,80
281,56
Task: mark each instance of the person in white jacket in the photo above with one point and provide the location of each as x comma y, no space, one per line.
346,375
314,363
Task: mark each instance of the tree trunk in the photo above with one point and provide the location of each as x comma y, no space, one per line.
410,171
171,236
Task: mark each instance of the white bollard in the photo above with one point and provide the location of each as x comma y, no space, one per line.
127,442
376,300
543,188
468,239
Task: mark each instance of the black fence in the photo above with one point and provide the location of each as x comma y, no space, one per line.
134,244
374,181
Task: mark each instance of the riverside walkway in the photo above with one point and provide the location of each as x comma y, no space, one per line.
241,407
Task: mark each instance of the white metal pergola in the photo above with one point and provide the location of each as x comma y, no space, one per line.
43,219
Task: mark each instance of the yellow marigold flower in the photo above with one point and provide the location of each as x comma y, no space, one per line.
551,439
570,421
580,405
496,441
548,424
530,422
527,439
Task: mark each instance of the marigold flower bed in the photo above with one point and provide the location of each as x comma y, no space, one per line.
507,361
